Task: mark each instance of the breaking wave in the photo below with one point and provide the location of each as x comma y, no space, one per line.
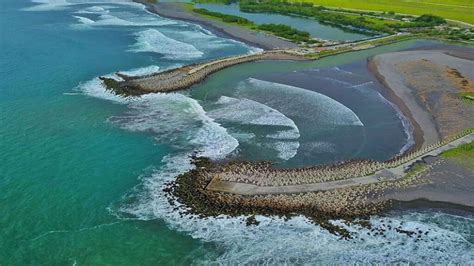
324,110
247,112
106,19
53,5
152,40
142,71
406,123
299,241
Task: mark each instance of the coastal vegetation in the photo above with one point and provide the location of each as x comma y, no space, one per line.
286,32
280,30
365,22
224,17
316,12
468,97
354,22
463,155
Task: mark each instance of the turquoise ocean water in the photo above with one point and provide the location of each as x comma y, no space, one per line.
81,170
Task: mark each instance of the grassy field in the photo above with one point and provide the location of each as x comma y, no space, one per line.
464,155
462,10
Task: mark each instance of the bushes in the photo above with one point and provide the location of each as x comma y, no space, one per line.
286,32
317,12
224,17
280,30
429,20
321,14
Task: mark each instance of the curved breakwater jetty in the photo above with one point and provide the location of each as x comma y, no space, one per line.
346,191
186,76
261,178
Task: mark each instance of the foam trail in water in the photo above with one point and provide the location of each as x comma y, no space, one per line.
48,5
127,19
298,241
84,20
143,71
95,10
343,71
96,88
326,111
54,5
247,112
407,126
152,40
177,120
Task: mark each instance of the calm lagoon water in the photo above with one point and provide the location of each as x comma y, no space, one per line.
315,28
81,170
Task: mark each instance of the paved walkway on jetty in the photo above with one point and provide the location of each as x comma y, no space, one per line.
186,76
383,175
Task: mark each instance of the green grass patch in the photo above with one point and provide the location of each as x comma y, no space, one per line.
468,97
416,169
463,150
462,155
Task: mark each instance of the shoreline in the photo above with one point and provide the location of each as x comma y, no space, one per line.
392,97
422,84
172,10
427,204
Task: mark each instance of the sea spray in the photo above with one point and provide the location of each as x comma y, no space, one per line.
326,111
152,40
247,112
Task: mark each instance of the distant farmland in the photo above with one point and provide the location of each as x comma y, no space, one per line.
462,10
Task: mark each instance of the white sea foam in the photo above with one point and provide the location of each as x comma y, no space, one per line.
298,241
48,5
84,20
142,71
96,88
173,118
124,19
177,120
152,40
250,112
362,84
341,70
407,126
54,5
247,112
324,110
286,149
337,81
95,10
321,147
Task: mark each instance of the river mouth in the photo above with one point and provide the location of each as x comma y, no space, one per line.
311,116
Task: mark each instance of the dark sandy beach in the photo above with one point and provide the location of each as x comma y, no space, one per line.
423,87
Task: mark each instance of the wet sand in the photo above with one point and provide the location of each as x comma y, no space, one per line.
253,38
421,83
444,182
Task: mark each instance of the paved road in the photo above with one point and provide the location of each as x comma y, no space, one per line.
385,174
